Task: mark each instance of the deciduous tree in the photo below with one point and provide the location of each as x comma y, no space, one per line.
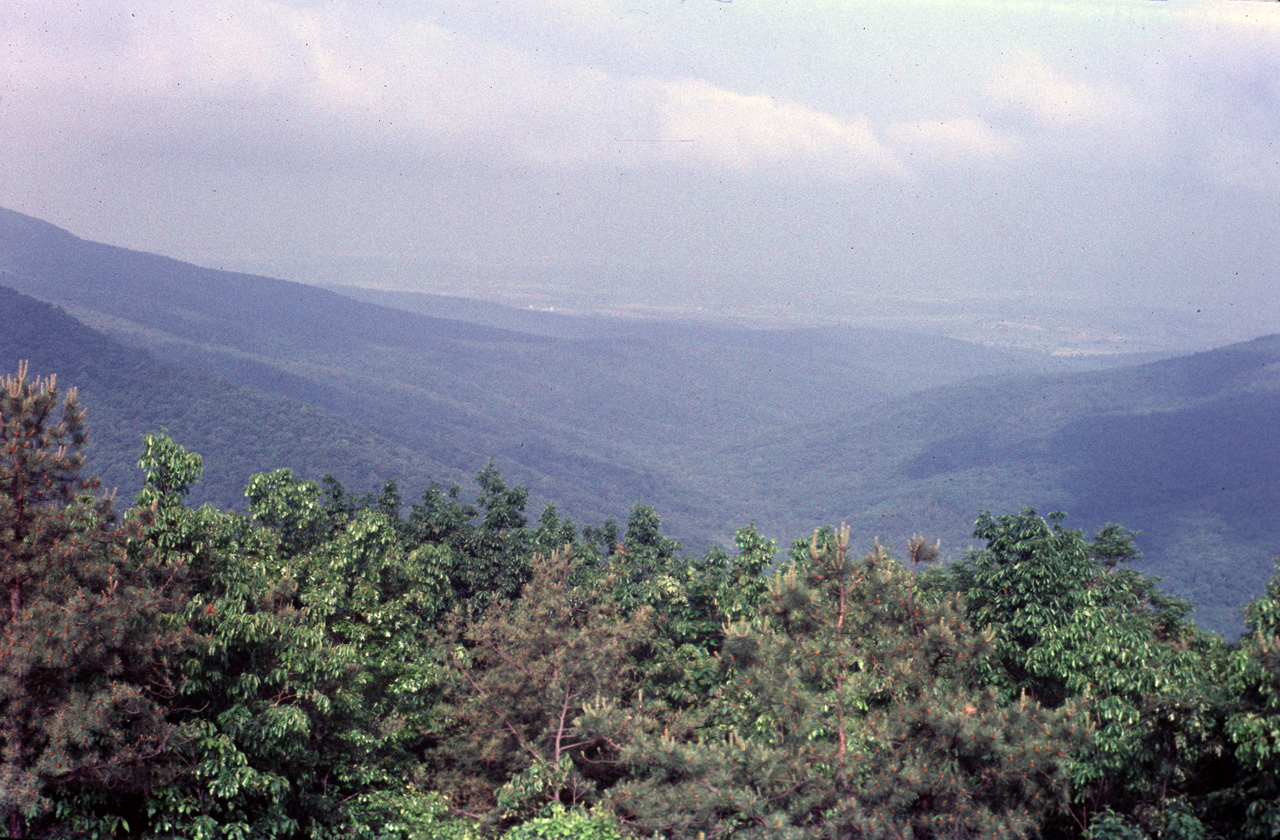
305,695
1254,725
1071,623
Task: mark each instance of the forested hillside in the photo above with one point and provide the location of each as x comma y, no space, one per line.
596,419
129,393
1183,450
325,665
715,426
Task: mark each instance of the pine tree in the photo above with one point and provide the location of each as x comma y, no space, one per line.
855,709
84,653
522,674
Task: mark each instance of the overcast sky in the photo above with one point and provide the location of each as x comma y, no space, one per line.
810,154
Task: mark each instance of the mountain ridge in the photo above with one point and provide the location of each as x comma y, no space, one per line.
647,399
127,393
717,426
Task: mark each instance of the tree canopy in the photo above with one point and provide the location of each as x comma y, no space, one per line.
327,665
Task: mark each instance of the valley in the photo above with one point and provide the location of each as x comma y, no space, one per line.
716,425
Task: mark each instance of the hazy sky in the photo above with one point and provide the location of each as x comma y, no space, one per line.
811,154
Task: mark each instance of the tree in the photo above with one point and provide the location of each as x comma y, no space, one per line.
692,598
646,564
522,674
854,708
560,823
490,560
84,656
1071,624
1031,578
1253,727
305,696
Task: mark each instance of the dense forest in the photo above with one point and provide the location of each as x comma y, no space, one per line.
893,431
328,664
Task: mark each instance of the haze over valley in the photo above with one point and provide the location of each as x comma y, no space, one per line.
716,425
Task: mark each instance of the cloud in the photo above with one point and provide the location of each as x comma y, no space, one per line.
1227,93
606,130
741,131
256,80
1085,121
1027,86
959,140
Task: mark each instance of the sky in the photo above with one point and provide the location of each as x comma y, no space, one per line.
1099,162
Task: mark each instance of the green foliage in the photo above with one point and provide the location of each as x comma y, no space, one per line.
1155,444
646,564
305,701
852,708
491,558
1114,545
86,636
520,676
560,823
1262,616
322,667
1253,728
292,508
1030,579
692,599
170,471
1070,624
1109,826
407,814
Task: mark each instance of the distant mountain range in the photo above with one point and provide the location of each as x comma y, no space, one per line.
1185,450
891,431
593,414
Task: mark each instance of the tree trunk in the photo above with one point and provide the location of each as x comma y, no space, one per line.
15,823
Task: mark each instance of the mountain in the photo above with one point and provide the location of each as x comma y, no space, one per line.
594,418
716,426
1185,450
241,431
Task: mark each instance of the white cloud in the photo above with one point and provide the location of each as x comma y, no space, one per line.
263,80
1027,85
303,81
959,140
739,131
605,129
1083,119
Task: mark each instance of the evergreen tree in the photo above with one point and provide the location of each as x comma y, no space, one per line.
522,674
854,709
85,648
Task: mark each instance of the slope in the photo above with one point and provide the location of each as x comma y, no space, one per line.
1184,450
240,431
595,419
